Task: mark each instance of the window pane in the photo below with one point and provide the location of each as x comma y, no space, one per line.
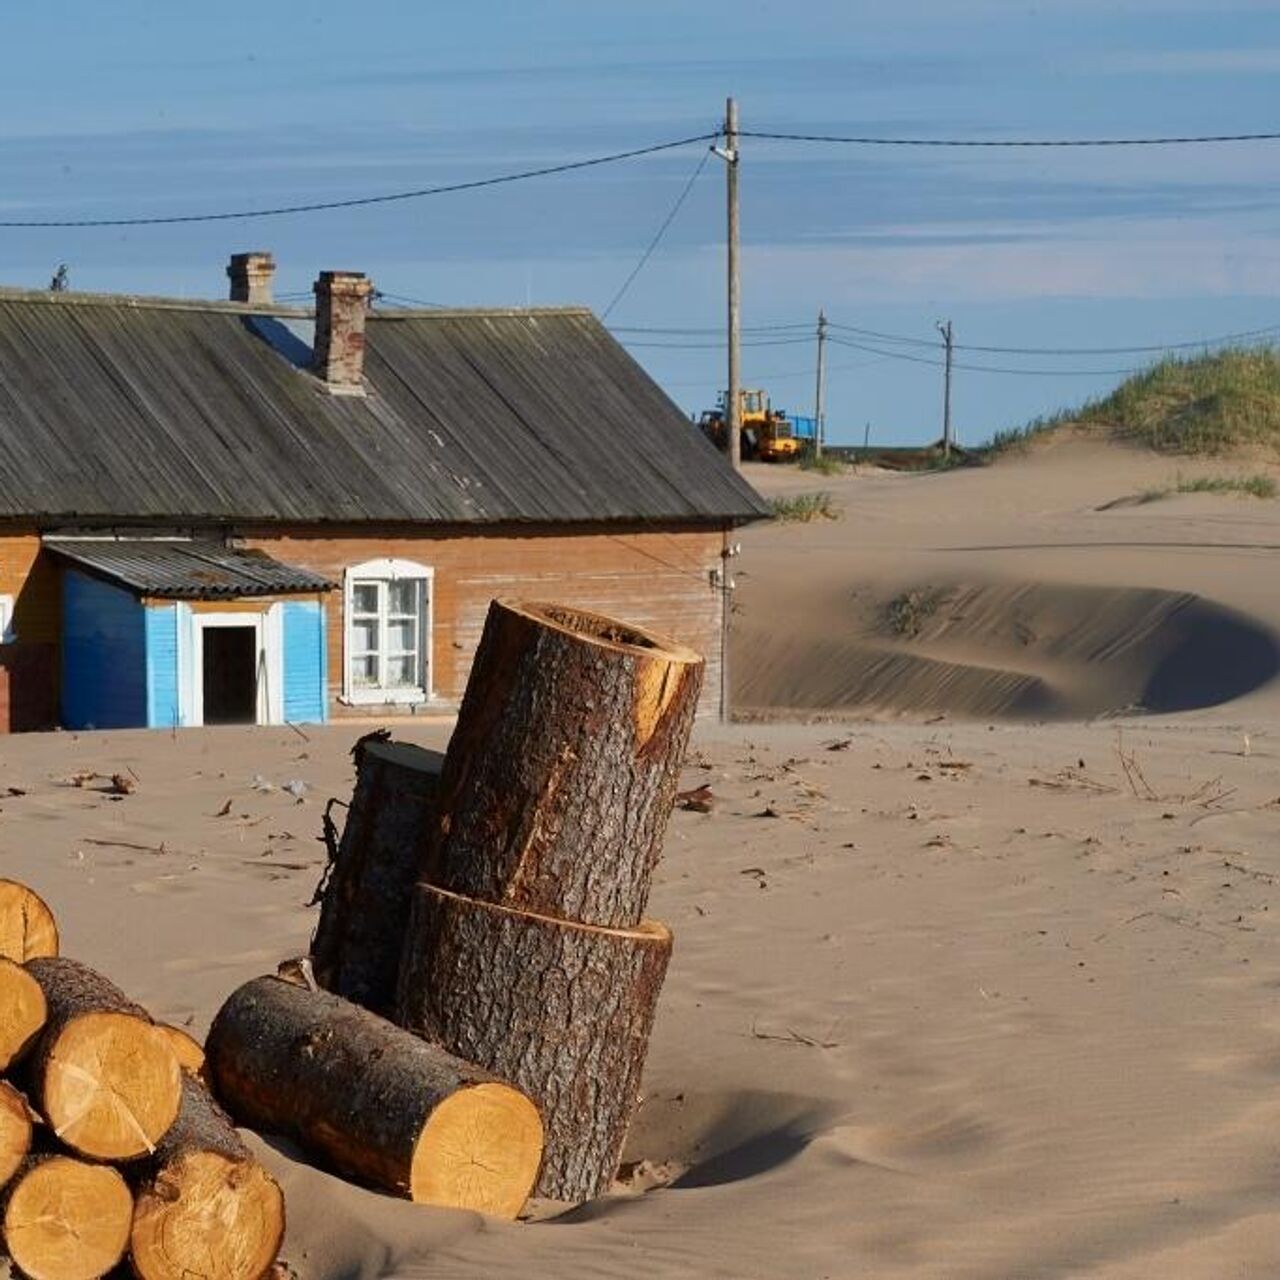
403,595
364,597
402,672
402,637
364,671
364,636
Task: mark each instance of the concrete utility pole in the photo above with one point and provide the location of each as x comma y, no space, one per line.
733,410
945,330
820,394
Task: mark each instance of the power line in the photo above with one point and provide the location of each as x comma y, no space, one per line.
672,329
983,368
1109,351
662,230
719,346
361,201
1009,142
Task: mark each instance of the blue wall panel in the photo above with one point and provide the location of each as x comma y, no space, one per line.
103,655
162,666
305,700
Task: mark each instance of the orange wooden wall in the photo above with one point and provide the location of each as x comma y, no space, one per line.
660,580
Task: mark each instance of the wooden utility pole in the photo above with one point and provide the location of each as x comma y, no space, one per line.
820,394
945,330
733,410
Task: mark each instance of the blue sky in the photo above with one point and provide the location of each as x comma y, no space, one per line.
148,108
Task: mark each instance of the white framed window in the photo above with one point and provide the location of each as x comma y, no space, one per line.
387,632
7,633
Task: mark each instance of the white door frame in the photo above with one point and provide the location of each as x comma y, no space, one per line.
268,636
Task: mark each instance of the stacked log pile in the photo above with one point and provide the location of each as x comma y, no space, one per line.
108,1145
525,950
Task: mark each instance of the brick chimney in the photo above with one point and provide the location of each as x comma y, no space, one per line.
250,275
342,302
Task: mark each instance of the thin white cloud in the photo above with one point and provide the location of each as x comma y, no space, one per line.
1149,261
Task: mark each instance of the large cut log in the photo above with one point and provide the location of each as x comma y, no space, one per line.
22,1011
371,1100
101,1073
15,1131
27,926
561,773
186,1048
562,1010
65,1219
204,1206
364,897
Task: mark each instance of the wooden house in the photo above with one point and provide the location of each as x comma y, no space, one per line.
216,512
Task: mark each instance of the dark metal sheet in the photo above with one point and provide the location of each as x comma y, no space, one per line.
186,570
113,408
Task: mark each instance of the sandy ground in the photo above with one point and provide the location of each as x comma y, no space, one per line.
953,995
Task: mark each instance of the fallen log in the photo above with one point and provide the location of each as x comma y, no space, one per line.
562,1010
375,1102
22,1011
15,1131
204,1206
27,926
364,896
101,1072
186,1048
65,1219
561,773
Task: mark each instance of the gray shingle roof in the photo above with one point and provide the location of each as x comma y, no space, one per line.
118,408
186,570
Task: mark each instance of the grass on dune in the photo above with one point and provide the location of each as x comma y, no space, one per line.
1257,485
804,508
1194,405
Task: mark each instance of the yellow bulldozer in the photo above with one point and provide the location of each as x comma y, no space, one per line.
767,434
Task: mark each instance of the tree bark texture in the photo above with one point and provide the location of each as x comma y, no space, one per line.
561,774
102,1073
205,1208
364,897
560,1009
375,1102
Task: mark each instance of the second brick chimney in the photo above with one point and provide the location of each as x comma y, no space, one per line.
250,275
342,302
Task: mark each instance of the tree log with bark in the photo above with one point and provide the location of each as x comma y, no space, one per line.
101,1073
364,896
15,1131
204,1206
375,1102
562,1010
27,926
22,1011
65,1219
561,774
186,1048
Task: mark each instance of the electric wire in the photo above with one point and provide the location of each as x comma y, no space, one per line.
865,141
361,201
982,368
657,239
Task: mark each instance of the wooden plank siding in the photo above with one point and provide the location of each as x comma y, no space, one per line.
29,666
656,579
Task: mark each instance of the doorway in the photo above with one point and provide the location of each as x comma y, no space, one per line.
230,675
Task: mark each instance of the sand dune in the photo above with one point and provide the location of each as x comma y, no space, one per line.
1027,650
1027,590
